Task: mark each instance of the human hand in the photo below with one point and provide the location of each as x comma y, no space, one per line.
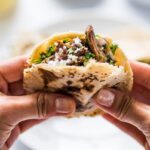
130,112
19,112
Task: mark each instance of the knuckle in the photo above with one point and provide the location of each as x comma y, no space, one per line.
4,105
124,107
43,105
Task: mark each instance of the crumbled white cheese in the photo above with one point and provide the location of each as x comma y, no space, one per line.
72,57
60,49
68,61
77,40
57,63
52,63
56,44
56,57
78,49
64,47
62,62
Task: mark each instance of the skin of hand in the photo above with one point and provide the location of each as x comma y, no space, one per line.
19,112
130,111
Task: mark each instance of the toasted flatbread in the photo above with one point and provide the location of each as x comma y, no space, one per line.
81,82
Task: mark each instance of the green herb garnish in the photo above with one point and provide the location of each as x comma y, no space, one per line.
112,62
50,51
113,48
85,61
45,55
37,61
65,40
89,55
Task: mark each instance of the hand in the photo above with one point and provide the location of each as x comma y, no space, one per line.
19,112
130,113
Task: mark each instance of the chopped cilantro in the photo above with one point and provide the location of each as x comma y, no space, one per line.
44,55
65,40
85,61
50,51
89,55
113,48
37,61
112,62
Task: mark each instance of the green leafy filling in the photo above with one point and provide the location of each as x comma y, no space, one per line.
112,62
88,56
50,51
44,55
113,48
37,61
65,40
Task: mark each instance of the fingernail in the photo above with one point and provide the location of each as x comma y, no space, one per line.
64,106
105,98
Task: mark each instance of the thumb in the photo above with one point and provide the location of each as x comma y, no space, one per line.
35,106
124,108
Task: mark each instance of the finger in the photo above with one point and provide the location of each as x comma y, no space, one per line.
141,73
127,128
141,93
23,126
12,71
124,108
15,109
13,136
16,88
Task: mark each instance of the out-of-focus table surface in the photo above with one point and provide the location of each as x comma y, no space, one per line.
35,14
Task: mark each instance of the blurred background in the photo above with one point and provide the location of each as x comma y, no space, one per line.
23,23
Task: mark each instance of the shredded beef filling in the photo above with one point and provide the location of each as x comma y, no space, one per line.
78,51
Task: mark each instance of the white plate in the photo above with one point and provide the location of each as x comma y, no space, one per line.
79,133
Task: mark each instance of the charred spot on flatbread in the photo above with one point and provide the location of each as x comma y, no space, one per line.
69,82
88,87
47,76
